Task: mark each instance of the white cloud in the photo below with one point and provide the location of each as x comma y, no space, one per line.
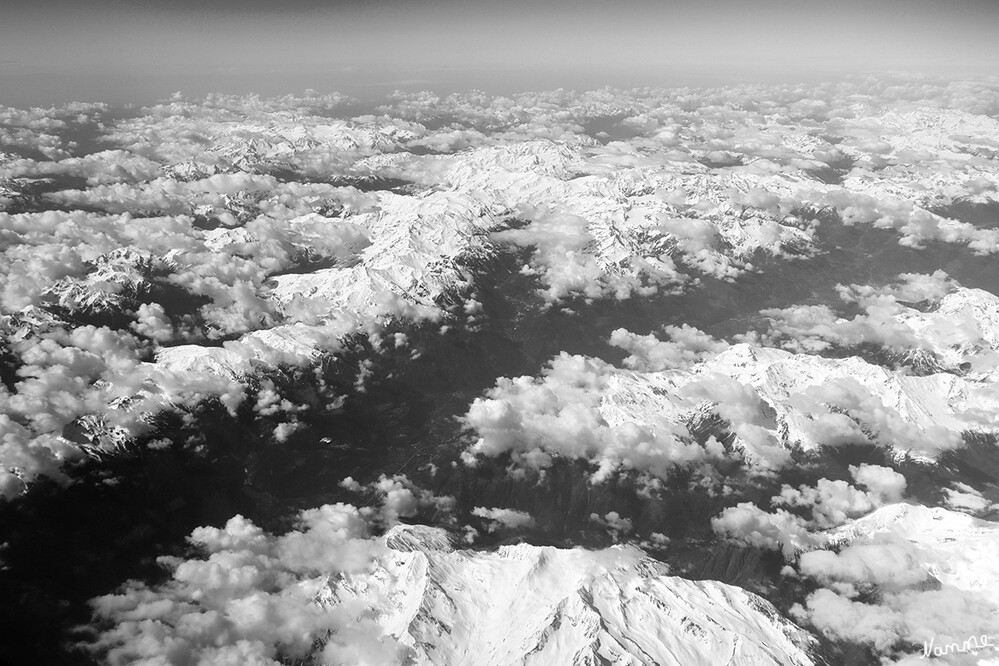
251,598
772,401
831,503
688,184
902,577
616,525
399,497
834,502
777,530
686,346
562,413
963,497
505,518
634,213
927,321
151,321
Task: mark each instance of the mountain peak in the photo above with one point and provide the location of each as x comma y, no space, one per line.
421,538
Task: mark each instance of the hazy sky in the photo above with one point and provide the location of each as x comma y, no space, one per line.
55,49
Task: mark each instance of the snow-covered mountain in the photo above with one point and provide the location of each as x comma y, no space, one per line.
114,280
958,549
592,235
182,293
820,400
771,400
961,330
527,604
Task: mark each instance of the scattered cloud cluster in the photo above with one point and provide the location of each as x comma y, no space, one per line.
155,258
41,133
927,323
213,239
564,413
330,592
685,347
503,518
770,400
616,525
964,498
398,497
831,503
88,377
890,575
252,598
904,578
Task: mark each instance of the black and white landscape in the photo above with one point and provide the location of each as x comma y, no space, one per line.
657,373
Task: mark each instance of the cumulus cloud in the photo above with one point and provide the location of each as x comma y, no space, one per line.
251,598
562,413
904,623
743,408
907,614
229,235
816,328
575,255
42,131
89,376
963,497
770,396
886,425
685,347
151,320
916,226
777,530
105,167
907,288
831,503
398,497
887,484
926,321
276,219
894,578
503,518
616,525
891,566
771,401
